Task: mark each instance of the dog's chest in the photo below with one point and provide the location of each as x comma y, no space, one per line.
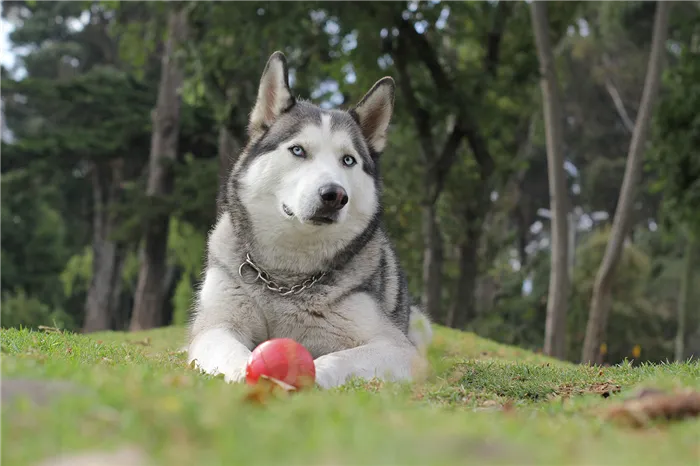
346,325
319,335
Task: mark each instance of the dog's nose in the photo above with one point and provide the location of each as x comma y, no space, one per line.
333,196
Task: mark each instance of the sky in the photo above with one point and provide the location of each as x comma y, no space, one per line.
7,58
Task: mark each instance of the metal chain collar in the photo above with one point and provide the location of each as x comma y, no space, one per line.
271,285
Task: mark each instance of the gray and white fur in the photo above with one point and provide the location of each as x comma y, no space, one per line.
303,203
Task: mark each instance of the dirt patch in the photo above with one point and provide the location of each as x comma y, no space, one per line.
604,389
40,392
123,457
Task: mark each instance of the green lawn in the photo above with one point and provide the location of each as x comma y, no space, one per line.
483,403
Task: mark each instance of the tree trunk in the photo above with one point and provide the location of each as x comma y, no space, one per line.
601,300
684,296
116,307
463,308
228,151
169,285
555,326
432,263
150,292
107,254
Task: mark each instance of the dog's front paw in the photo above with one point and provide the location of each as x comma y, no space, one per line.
232,373
235,376
328,372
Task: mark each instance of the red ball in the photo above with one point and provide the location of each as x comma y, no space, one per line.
282,359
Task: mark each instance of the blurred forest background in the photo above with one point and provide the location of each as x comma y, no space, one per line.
120,118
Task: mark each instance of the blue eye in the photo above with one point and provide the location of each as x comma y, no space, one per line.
297,151
349,161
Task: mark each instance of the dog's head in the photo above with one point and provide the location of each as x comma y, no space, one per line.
310,171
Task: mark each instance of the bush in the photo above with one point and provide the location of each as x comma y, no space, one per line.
21,310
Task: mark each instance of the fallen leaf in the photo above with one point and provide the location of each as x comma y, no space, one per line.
651,405
508,407
50,329
267,388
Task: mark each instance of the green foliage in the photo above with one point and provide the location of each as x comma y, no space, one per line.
638,316
635,318
230,43
187,246
33,238
20,310
517,318
77,273
674,158
98,115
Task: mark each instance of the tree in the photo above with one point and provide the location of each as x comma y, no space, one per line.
555,327
676,165
601,300
439,157
150,290
78,122
684,295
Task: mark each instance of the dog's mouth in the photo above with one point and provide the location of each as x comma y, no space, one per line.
320,219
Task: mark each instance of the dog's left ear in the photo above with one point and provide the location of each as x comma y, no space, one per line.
274,96
373,113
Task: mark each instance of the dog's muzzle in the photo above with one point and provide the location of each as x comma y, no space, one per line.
333,199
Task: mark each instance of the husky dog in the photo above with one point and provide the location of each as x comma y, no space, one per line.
299,250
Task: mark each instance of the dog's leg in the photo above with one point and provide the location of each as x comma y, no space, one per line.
384,360
224,327
218,351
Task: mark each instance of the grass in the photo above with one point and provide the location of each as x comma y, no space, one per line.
482,404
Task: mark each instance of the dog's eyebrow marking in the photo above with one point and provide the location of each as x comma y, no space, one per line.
342,121
285,128
342,137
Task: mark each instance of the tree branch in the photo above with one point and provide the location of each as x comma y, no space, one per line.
615,96
465,125
619,105
494,37
427,55
421,118
447,157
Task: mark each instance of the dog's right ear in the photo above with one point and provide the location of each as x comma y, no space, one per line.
274,96
373,113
